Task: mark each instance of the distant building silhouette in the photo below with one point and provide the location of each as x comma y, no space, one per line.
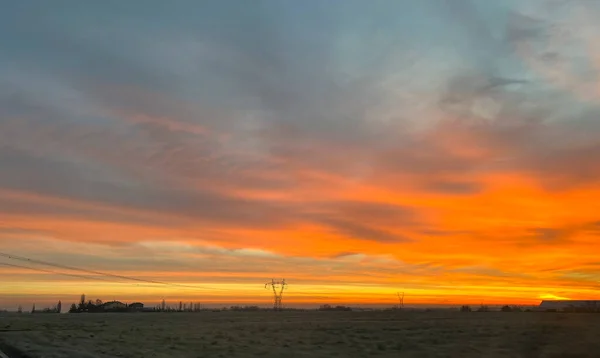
571,305
113,305
110,306
136,306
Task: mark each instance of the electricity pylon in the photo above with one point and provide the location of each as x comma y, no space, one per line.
400,300
278,287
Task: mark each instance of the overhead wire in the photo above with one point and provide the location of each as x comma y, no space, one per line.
110,277
97,273
53,272
70,274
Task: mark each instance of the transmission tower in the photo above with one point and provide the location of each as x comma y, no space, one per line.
400,300
278,287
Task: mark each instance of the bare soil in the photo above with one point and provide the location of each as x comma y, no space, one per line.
302,334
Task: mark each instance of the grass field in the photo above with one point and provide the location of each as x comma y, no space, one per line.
302,334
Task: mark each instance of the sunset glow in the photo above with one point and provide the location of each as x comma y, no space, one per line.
453,155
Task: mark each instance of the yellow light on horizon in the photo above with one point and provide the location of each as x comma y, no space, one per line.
549,296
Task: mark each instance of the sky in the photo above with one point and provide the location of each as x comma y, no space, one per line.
447,149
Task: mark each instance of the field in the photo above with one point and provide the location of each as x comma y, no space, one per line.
302,334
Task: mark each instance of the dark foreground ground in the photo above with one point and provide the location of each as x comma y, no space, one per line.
302,334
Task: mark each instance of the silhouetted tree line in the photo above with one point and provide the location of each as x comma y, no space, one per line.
244,308
54,309
247,308
251,309
99,306
182,307
485,308
507,308
336,308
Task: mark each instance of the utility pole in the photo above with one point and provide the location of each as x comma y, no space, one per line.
278,287
400,300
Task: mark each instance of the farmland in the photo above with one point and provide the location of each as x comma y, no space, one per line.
302,334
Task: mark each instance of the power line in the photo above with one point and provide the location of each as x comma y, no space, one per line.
45,263
99,273
53,272
70,274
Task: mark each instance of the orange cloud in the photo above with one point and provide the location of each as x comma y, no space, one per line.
460,211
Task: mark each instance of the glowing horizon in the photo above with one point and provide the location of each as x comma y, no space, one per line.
448,150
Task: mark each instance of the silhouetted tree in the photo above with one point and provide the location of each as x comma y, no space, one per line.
465,308
506,308
20,309
59,307
180,306
73,308
81,306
